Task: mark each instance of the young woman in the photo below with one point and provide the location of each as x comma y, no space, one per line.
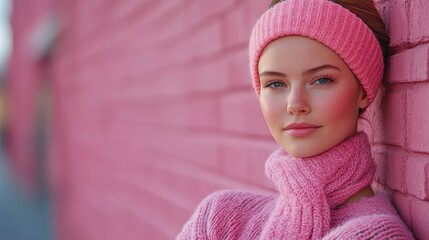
316,65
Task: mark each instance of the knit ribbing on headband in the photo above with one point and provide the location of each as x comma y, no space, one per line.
328,23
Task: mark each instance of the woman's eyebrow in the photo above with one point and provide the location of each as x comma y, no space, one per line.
272,73
323,67
306,72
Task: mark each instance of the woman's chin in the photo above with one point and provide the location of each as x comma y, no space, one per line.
300,151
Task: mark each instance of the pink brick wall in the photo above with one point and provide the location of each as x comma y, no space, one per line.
404,144
154,111
406,140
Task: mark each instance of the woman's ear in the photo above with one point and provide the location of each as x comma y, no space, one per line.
363,100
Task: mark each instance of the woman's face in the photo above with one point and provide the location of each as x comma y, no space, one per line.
309,97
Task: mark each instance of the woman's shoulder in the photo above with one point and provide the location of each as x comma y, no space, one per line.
237,198
369,218
235,203
227,213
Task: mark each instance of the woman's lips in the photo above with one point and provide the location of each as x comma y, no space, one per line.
300,129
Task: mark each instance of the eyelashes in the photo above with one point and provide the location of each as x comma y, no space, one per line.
274,84
319,80
324,80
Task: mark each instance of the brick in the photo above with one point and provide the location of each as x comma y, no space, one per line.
391,163
156,210
238,71
182,182
254,9
197,77
244,159
210,76
381,163
160,16
203,41
200,43
238,27
408,22
238,22
417,176
200,11
196,113
197,148
119,12
420,216
414,212
418,117
409,66
402,203
402,171
394,117
240,113
175,20
153,21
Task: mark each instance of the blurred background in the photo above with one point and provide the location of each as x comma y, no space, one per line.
24,214
119,117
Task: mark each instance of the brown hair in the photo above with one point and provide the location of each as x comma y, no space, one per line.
365,10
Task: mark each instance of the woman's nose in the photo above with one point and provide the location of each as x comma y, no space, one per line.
297,102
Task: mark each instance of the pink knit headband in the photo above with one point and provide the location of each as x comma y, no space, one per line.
328,23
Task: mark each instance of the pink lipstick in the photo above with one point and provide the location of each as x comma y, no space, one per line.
300,129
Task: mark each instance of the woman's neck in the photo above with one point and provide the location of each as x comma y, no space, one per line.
364,192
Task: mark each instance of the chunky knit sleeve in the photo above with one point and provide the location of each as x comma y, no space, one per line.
230,214
377,226
196,226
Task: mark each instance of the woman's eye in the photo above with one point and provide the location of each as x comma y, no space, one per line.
323,80
275,85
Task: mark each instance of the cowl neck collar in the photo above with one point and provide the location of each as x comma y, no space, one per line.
311,187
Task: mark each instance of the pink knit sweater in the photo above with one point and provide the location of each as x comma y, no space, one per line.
310,203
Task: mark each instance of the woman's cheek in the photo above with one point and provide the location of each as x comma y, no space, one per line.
273,109
338,106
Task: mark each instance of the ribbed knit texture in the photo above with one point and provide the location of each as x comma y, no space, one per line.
314,185
312,191
328,23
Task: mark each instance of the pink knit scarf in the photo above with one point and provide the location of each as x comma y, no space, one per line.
310,187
